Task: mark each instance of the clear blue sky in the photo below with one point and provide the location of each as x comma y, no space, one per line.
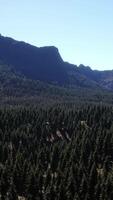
81,29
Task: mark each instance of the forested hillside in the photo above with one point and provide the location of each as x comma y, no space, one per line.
56,153
17,89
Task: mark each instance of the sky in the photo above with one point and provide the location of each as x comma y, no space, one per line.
82,30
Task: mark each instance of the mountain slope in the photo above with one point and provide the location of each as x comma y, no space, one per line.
103,78
45,64
16,89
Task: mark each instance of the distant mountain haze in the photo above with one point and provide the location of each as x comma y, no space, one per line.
45,64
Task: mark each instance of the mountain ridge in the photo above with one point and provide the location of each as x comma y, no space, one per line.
46,64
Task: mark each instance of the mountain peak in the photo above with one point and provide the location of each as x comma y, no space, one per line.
81,66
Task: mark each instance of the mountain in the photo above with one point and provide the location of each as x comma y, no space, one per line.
103,78
43,63
46,65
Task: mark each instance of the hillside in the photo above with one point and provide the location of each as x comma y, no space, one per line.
17,89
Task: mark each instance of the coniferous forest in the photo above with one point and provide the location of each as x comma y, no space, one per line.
56,152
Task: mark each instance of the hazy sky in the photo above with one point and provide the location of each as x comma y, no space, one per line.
81,29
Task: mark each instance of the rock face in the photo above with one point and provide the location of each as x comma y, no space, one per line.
45,64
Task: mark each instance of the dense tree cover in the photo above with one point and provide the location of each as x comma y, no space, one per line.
15,89
56,153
